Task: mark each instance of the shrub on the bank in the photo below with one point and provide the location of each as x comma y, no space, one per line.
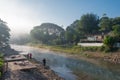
90,48
109,43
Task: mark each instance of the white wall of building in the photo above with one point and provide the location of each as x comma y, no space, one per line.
90,44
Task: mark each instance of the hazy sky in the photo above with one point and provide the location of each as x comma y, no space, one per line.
22,15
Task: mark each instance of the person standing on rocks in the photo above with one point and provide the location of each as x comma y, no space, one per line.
30,55
44,62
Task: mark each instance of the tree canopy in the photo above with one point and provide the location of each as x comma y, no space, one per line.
4,34
116,21
116,30
89,23
109,42
72,33
105,24
48,33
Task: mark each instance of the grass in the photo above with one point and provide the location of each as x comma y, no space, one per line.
74,49
69,49
88,52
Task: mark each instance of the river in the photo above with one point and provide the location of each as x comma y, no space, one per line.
66,66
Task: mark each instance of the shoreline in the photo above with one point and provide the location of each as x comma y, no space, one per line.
38,73
75,56
46,71
93,57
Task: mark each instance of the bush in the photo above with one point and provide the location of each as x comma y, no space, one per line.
109,43
1,64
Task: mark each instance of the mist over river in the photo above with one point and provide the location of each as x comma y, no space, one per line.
66,66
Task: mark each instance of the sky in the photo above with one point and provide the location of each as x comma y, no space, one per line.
22,15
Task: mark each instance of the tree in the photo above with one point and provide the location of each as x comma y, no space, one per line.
89,24
109,42
113,38
48,33
105,24
4,35
71,34
116,30
116,21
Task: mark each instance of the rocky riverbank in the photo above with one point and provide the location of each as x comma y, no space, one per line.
39,73
46,71
113,58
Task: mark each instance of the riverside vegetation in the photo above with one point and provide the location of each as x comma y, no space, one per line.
97,53
88,25
1,65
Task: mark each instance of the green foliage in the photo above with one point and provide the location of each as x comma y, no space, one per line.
90,48
102,48
71,35
89,23
116,30
113,27
0,74
109,42
4,35
75,49
116,21
105,24
1,60
1,64
48,33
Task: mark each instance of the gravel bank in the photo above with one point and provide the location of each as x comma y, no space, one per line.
40,73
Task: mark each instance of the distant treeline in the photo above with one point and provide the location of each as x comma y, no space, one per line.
88,25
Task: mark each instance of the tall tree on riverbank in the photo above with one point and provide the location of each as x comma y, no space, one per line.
48,33
71,34
89,23
116,21
105,24
4,35
116,32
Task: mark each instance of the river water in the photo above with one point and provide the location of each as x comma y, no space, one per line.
66,66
